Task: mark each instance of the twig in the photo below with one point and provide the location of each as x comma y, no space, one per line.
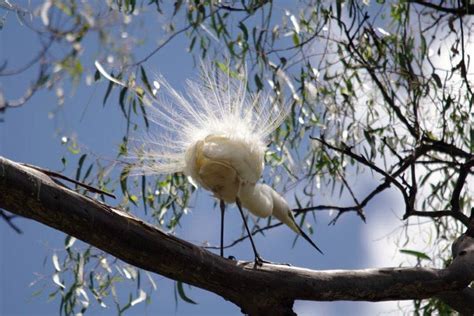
462,10
455,205
58,175
347,150
163,44
436,214
359,209
8,220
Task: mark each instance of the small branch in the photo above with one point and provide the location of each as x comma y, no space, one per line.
30,91
443,147
347,150
359,209
8,220
413,190
33,61
343,209
244,9
463,173
462,10
169,39
58,175
388,97
437,214
160,46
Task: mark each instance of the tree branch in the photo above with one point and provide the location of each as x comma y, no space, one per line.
437,214
466,8
257,290
8,219
455,200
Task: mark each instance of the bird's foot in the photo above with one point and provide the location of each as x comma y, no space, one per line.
259,261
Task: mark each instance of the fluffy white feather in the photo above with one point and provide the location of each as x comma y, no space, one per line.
216,135
216,114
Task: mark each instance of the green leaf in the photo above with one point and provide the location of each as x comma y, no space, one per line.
123,180
437,79
96,75
177,6
419,255
145,116
107,92
145,80
244,31
123,93
191,45
338,10
79,168
225,69
88,172
296,39
181,293
64,162
258,82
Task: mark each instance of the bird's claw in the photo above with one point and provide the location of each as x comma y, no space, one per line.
259,261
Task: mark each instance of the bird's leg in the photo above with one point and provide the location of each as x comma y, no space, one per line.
258,260
222,205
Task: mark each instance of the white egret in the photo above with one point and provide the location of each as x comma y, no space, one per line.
216,135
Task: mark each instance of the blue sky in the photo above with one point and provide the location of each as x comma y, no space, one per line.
29,134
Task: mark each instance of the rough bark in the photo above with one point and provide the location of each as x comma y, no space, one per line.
257,290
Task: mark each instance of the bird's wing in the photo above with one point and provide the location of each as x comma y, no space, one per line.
247,161
221,179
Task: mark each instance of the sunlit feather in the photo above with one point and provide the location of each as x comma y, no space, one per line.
216,134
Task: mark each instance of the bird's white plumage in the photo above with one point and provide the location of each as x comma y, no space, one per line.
217,120
216,135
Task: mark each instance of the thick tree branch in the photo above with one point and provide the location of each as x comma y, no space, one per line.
445,148
457,300
258,291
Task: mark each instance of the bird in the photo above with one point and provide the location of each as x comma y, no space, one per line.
216,135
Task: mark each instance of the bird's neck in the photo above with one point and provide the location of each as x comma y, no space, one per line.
257,198
263,201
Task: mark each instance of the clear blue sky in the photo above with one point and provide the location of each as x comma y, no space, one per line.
29,135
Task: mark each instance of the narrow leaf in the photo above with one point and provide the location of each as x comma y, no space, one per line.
141,297
182,294
57,281
106,75
56,262
419,255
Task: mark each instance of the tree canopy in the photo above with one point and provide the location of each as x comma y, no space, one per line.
376,89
